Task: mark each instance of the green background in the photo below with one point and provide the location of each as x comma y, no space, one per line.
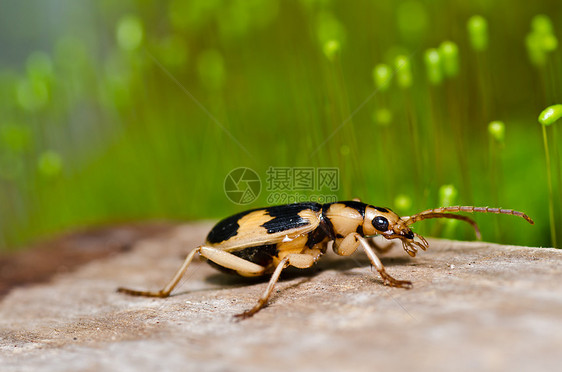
133,110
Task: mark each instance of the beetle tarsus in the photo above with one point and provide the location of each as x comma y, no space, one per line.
249,313
132,292
245,315
391,282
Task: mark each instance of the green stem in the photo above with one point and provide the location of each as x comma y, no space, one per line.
550,193
418,157
385,148
553,96
494,180
436,117
457,125
557,165
349,131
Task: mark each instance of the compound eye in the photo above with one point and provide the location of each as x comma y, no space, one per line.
380,223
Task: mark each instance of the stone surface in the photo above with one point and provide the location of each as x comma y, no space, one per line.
474,306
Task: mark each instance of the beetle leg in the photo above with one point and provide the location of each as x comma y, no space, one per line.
387,279
301,261
349,244
230,261
218,256
164,292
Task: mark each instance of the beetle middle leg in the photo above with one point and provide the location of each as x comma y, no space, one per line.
220,257
349,244
301,261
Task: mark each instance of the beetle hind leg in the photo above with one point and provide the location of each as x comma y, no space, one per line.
164,292
220,257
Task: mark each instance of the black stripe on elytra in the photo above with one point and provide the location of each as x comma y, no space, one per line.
380,209
358,206
286,217
226,228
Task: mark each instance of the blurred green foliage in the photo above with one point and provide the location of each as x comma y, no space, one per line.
119,111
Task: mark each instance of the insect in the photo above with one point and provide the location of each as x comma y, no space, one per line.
267,240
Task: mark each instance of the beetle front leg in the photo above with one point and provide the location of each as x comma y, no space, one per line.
387,279
349,244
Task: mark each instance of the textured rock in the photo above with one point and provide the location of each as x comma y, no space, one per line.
474,306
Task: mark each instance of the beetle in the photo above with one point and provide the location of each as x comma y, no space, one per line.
267,240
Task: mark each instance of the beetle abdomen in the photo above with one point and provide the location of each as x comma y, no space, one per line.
261,255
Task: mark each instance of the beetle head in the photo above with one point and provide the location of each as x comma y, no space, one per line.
391,226
385,222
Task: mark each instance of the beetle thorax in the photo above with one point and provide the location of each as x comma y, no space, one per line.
345,219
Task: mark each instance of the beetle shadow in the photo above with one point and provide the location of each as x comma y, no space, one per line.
329,262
